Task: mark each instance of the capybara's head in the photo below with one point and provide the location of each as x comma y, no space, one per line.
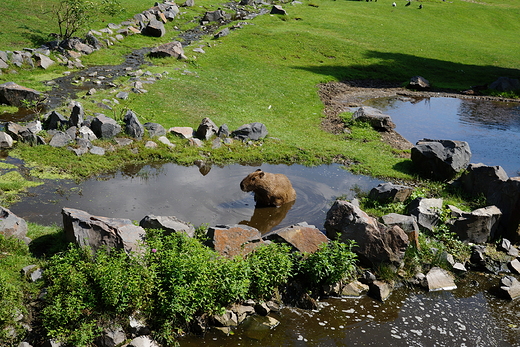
251,181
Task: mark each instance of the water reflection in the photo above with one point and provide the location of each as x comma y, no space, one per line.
211,196
491,128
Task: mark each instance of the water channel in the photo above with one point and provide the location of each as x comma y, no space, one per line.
469,316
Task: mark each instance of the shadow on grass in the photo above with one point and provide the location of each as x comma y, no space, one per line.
401,67
36,36
47,245
405,166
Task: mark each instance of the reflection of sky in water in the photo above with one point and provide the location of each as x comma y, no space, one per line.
491,129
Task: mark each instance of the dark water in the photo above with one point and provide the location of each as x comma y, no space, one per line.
491,128
469,316
212,197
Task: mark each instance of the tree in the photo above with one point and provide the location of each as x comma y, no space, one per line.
73,15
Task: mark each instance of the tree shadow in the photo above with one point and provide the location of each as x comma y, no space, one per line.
36,36
401,67
46,246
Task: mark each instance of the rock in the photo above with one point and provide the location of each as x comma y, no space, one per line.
183,132
133,127
507,246
509,287
155,28
111,337
122,95
6,141
214,16
171,49
14,130
223,131
170,224
195,142
439,279
154,129
232,240
11,225
16,95
419,83
301,237
494,184
143,341
380,290
97,150
138,327
407,223
426,212
441,159
105,127
222,33
55,120
227,319
389,192
77,114
354,289
206,130
254,131
122,141
164,140
514,265
32,272
86,133
377,119
258,327
243,311
278,9
375,243
150,144
87,230
478,226
60,139
262,309
505,84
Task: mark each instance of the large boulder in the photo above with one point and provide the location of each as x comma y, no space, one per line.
206,130
377,119
232,240
171,49
105,127
505,84
133,127
155,28
301,237
426,211
16,95
253,131
375,243
407,223
6,141
11,225
55,120
95,232
478,226
494,184
77,115
441,159
389,192
154,129
169,224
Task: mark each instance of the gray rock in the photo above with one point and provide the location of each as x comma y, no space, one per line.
214,16
154,129
223,131
14,130
170,224
16,95
418,83
86,133
253,131
122,95
278,9
375,243
43,61
508,247
105,127
77,114
441,159
85,229
32,272
55,120
389,192
154,28
514,265
11,225
301,237
509,287
97,150
505,84
143,341
439,279
6,141
407,223
426,212
377,119
133,127
479,226
171,49
183,132
111,337
379,290
206,130
60,139
164,140
227,319
138,327
354,289
222,33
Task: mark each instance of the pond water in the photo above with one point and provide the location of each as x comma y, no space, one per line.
200,196
491,128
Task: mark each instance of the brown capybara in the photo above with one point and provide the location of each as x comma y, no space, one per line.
270,189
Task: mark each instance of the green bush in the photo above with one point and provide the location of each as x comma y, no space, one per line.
11,306
331,263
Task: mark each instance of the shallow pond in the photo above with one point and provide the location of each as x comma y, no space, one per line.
200,196
491,128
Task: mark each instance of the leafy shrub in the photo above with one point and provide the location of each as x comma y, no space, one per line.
271,266
331,263
11,305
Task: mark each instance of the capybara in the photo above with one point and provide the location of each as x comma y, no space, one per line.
270,189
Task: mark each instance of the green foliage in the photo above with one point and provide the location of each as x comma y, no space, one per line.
73,16
332,262
83,288
271,266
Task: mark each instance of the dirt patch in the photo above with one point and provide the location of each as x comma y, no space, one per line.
339,97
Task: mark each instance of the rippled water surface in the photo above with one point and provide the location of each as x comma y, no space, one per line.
492,129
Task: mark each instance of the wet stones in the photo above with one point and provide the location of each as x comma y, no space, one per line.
509,287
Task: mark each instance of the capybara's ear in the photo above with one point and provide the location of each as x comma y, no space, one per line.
261,174
258,170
